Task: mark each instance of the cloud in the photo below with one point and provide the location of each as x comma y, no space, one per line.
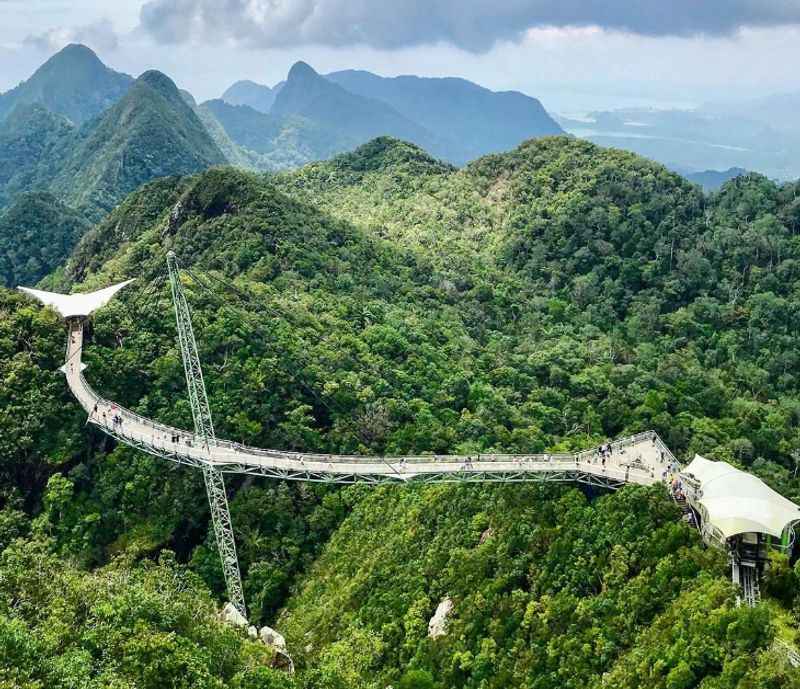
99,35
473,25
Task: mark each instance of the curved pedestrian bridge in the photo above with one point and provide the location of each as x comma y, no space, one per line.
640,459
726,520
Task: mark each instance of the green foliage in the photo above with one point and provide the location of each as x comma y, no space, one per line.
550,593
150,132
73,83
36,233
384,302
146,626
32,140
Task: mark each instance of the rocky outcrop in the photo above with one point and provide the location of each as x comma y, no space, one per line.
233,617
438,623
273,639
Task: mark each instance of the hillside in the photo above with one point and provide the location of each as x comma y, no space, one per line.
73,83
472,119
36,233
383,301
32,141
151,132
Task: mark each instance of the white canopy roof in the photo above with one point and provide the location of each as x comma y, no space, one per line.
738,502
70,305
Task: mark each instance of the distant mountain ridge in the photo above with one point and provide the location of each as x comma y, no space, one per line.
351,116
451,118
475,120
278,142
257,96
712,180
73,83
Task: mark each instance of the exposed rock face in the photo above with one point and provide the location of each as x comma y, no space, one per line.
233,617
272,638
252,632
438,623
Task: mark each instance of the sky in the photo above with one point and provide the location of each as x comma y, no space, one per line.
575,55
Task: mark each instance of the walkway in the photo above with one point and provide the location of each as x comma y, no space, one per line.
639,459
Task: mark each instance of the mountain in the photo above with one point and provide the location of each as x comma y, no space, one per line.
473,119
257,96
712,180
32,144
351,116
280,142
36,232
541,299
151,132
73,83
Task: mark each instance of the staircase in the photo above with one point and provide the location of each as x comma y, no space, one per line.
680,501
745,574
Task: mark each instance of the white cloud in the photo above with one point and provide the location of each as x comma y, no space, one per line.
99,36
474,25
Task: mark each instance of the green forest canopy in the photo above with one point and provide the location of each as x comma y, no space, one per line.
543,299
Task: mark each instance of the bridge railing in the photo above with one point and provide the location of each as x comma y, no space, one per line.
555,458
128,414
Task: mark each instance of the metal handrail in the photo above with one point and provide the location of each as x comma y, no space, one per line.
405,463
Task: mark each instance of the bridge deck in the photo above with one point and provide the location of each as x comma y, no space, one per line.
640,459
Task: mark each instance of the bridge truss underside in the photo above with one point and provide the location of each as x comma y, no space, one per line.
555,475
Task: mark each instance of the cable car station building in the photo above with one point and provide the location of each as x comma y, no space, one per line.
740,513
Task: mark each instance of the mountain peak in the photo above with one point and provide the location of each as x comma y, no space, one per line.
158,80
301,70
247,83
246,92
77,50
386,152
73,82
70,62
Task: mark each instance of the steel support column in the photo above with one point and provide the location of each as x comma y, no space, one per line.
204,430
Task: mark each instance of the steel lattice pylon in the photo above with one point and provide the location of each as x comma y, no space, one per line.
204,429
